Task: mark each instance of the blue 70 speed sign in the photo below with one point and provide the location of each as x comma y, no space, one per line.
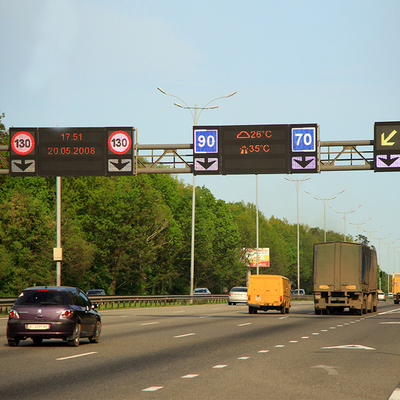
205,141
303,139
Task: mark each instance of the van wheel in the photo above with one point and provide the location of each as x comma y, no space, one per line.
283,310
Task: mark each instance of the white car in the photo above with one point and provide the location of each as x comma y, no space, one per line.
238,294
381,296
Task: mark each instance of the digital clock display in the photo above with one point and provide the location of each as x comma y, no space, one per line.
72,152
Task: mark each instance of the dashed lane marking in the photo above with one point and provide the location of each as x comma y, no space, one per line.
186,334
76,356
152,388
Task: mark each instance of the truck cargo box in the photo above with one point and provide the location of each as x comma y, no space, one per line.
345,276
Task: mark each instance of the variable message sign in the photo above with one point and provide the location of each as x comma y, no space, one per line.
255,149
23,152
78,151
387,146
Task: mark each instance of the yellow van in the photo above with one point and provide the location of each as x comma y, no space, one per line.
268,292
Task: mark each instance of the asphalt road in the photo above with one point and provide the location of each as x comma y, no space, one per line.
213,352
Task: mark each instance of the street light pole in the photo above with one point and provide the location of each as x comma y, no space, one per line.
195,115
344,217
379,256
371,232
297,182
358,228
325,201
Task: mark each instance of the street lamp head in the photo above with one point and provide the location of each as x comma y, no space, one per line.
229,95
179,105
162,91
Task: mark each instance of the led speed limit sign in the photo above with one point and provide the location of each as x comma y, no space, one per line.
119,142
205,141
22,143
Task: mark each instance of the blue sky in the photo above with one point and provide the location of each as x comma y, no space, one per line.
335,63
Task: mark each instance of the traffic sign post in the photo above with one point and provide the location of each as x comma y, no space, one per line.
23,152
387,146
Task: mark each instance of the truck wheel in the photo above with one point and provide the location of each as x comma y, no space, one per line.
317,311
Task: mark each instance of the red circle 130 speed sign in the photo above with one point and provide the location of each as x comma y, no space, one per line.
22,143
119,142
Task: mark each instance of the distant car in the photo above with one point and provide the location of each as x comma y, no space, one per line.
201,291
53,312
96,292
295,292
390,295
381,296
237,294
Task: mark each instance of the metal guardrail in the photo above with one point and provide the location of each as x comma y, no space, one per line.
110,302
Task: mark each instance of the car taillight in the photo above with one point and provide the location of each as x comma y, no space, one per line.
13,314
67,314
248,297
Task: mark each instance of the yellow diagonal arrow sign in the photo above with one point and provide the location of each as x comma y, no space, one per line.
385,142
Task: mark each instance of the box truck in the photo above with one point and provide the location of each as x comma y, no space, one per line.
268,292
396,287
345,276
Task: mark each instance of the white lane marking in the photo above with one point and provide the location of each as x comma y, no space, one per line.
76,356
324,330
243,358
346,323
219,366
186,334
152,388
280,345
283,317
175,312
263,351
388,323
332,327
305,337
247,323
390,311
349,346
149,323
315,333
330,370
294,341
339,326
189,376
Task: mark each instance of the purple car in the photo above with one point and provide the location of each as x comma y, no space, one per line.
53,312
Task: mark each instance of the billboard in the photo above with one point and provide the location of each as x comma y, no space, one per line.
251,257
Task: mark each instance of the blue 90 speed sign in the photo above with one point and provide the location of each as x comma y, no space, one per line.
205,141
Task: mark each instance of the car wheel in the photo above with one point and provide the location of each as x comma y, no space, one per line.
37,340
13,342
96,333
76,336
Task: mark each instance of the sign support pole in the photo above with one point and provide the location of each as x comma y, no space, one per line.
58,263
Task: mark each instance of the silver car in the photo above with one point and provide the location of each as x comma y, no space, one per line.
238,294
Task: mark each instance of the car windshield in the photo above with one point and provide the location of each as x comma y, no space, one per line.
41,298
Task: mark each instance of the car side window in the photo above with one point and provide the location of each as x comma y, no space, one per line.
85,301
